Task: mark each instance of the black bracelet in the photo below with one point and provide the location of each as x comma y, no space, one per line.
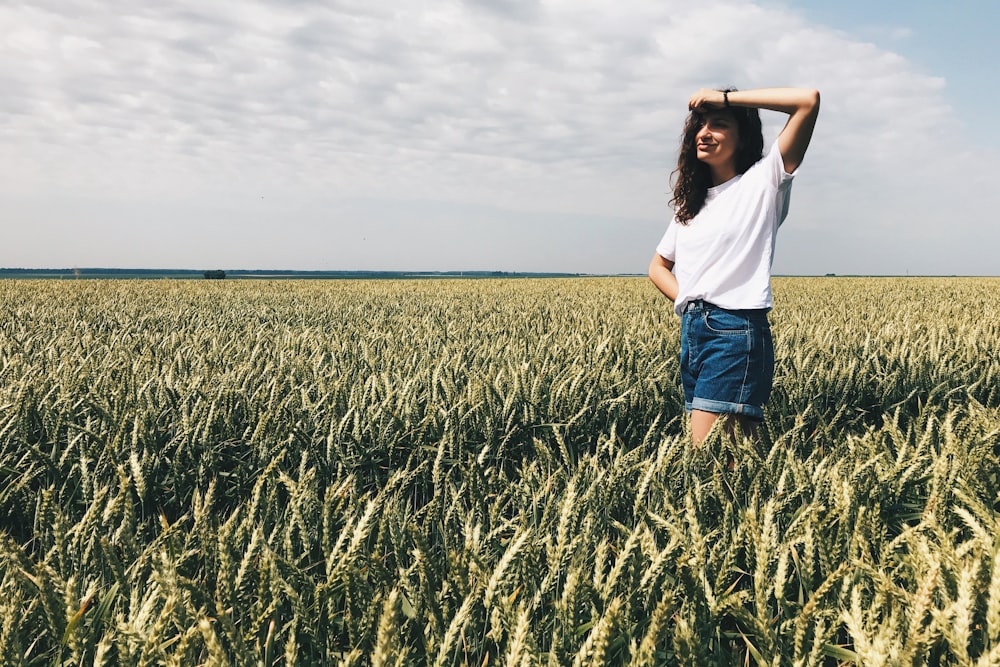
725,98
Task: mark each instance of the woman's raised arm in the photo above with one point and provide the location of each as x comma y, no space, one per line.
802,107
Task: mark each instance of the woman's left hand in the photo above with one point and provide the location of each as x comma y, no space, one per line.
706,98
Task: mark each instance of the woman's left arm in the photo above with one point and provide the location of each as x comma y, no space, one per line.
801,105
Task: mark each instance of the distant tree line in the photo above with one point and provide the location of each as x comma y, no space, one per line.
119,274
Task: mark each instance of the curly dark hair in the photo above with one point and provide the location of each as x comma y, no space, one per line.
694,177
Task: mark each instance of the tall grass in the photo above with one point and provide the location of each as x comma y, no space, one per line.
490,472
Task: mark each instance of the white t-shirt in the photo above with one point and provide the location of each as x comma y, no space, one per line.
724,254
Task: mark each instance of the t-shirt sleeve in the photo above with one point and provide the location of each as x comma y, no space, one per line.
772,168
667,249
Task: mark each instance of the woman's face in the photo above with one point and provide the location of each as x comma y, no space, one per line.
717,140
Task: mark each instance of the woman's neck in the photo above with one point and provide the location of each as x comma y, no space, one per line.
722,173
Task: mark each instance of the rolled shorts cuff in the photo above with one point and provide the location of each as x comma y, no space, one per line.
725,408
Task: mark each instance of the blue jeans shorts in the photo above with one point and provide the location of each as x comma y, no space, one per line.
727,360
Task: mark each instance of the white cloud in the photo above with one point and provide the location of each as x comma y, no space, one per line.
545,109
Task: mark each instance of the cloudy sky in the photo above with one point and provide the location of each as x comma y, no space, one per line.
516,135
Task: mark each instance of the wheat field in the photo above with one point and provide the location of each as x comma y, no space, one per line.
491,472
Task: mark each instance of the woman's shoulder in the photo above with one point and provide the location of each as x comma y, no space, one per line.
770,168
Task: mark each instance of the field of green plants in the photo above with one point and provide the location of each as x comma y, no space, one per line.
491,472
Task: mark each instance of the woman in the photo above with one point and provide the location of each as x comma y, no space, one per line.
714,262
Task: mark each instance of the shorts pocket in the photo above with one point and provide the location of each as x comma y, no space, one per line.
726,322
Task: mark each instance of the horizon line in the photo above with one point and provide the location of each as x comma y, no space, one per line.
74,271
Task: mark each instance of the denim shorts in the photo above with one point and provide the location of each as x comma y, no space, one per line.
727,360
